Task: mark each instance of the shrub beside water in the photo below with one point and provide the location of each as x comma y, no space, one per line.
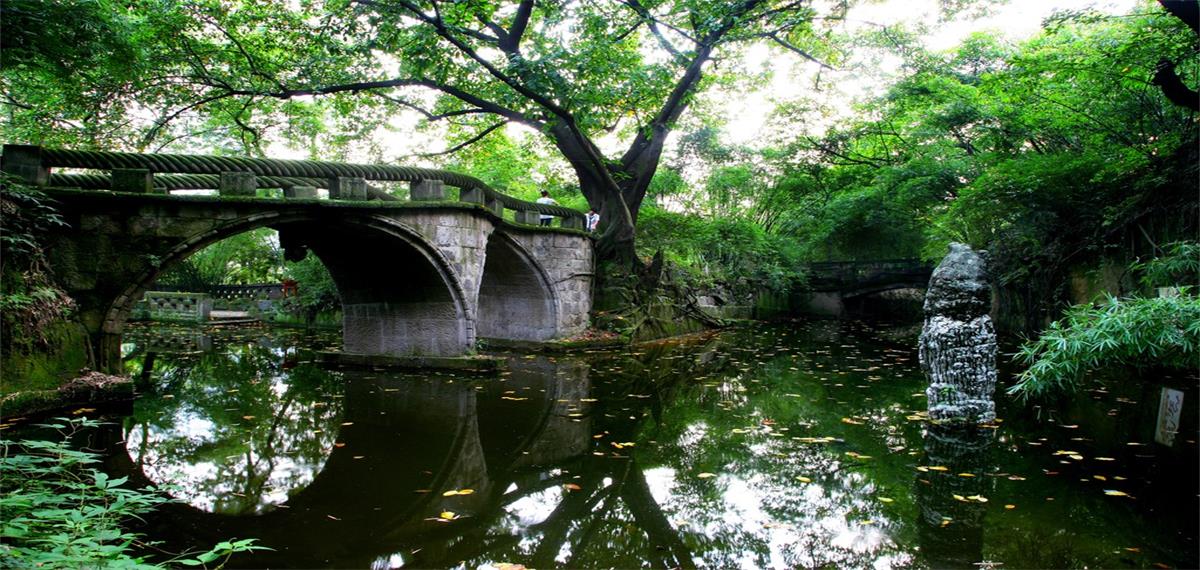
61,512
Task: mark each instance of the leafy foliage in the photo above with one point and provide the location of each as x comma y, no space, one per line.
316,291
1134,332
61,512
733,254
246,258
29,298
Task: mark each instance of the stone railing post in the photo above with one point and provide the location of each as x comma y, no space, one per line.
25,162
472,195
528,217
137,180
347,188
496,206
427,191
237,184
572,222
301,192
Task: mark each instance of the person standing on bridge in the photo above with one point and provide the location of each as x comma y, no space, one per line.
545,219
591,220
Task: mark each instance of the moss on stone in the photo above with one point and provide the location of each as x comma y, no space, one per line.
32,370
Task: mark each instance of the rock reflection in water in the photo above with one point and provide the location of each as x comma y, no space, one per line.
952,492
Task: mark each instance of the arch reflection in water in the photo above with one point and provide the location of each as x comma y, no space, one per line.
383,472
234,431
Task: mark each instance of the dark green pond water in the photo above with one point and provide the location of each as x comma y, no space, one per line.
784,446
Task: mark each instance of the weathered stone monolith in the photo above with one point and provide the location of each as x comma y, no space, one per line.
958,341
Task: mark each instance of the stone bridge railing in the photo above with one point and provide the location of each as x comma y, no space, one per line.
862,276
236,176
254,291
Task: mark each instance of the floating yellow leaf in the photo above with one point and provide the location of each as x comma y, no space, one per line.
1010,507
1076,457
1105,459
571,487
966,474
804,479
938,468
448,515
1115,493
851,422
885,500
706,475
960,498
458,492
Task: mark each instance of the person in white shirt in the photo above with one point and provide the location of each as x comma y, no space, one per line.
591,220
545,219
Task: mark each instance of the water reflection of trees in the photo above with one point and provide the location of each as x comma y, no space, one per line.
556,490
646,504
235,430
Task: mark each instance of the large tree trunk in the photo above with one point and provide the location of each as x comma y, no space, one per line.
603,193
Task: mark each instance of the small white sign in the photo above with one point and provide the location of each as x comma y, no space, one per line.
1170,404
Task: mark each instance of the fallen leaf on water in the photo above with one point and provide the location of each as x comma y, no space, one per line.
938,468
1115,493
885,500
247,417
1133,549
458,492
804,479
331,517
966,474
83,411
1161,565
448,515
347,423
706,475
851,422
1010,507
1105,459
960,498
1076,457
339,445
571,487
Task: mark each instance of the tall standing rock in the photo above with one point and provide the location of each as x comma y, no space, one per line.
958,341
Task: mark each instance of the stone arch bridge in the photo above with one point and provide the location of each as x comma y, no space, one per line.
833,285
419,277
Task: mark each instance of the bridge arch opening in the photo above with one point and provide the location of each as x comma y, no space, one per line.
516,297
399,295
